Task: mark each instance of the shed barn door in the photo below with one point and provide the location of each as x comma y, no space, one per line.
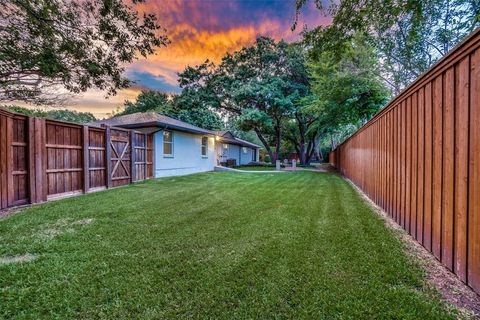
119,145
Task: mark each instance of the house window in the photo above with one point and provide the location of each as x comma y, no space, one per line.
168,143
244,149
225,146
204,146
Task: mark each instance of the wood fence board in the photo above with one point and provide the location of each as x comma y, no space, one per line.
392,156
86,158
461,167
448,169
474,175
408,163
398,143
437,126
414,167
403,164
3,162
427,213
420,163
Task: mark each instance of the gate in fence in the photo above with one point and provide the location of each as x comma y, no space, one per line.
43,159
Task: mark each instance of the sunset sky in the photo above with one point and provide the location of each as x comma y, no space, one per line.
200,30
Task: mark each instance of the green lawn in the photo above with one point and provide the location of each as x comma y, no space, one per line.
216,245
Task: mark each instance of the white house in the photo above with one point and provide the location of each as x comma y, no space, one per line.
229,148
181,148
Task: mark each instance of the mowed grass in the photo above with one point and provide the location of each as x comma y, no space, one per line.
215,245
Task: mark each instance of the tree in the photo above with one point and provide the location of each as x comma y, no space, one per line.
183,107
55,114
257,85
148,100
347,89
231,124
51,48
188,107
301,131
409,35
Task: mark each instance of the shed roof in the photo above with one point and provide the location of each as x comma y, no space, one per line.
156,120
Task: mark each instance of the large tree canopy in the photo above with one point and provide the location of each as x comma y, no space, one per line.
257,85
52,46
409,35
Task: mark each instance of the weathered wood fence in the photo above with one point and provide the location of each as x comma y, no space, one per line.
419,159
42,159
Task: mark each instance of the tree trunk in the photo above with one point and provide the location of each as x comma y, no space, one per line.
278,141
309,152
320,155
302,153
301,129
312,150
265,144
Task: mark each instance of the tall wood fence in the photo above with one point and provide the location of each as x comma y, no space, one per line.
419,159
42,159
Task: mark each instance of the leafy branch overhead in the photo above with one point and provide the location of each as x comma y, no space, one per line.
52,48
409,35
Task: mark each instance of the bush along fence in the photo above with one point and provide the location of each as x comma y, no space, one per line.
419,159
42,159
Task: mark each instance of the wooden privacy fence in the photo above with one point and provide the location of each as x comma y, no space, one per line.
419,159
42,159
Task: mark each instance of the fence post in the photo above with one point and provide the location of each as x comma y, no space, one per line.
132,156
38,175
32,192
9,157
86,160
108,157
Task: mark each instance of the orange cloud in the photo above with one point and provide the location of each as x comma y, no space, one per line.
200,30
195,49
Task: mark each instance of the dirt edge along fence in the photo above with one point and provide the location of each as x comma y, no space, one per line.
42,159
419,159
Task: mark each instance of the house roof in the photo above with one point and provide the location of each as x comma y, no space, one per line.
228,137
151,119
156,120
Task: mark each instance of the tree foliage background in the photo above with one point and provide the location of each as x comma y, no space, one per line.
52,48
55,114
409,36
